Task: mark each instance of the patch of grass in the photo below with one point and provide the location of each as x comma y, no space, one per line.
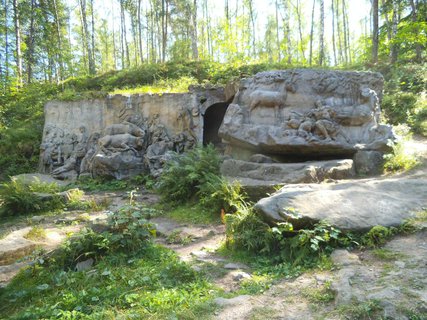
262,313
361,311
161,86
319,295
151,284
191,213
256,284
36,234
178,237
386,254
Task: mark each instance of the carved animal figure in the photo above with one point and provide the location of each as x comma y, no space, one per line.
124,128
120,142
269,99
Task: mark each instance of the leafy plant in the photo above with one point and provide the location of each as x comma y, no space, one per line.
186,175
402,158
21,198
377,236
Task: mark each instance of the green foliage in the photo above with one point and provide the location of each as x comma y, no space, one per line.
21,125
402,158
21,198
36,233
149,283
404,98
186,175
361,311
378,236
127,230
191,213
322,294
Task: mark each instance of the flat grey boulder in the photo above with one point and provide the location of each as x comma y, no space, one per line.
356,205
280,173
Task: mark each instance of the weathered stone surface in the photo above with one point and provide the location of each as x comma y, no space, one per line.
357,205
262,174
369,162
28,178
307,112
14,246
122,136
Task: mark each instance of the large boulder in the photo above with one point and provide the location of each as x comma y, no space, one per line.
280,173
356,205
314,113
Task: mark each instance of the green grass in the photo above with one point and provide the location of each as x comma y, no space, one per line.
386,254
319,295
36,233
191,213
151,284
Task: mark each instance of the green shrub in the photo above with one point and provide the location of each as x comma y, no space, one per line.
402,157
377,236
20,198
187,175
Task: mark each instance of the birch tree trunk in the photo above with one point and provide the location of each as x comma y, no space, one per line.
18,55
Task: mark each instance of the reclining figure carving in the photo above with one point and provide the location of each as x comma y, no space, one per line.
120,143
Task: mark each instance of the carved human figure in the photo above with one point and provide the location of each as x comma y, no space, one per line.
324,126
370,96
67,170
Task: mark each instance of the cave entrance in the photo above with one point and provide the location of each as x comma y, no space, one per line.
212,121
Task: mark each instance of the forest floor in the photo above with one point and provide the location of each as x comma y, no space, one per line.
389,282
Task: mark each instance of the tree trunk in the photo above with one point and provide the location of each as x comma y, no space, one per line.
345,30
322,34
114,35
194,32
18,43
6,47
58,31
298,9
92,9
288,32
334,47
394,23
86,37
375,39
310,59
30,44
141,57
418,48
279,54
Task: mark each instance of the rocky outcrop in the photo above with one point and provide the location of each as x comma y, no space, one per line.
355,205
279,173
122,136
307,112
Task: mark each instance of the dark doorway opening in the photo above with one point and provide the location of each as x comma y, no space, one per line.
212,121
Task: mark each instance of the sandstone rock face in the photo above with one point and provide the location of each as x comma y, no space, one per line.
357,205
122,136
279,173
307,112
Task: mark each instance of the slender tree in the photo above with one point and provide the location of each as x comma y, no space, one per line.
310,61
18,54
375,36
322,33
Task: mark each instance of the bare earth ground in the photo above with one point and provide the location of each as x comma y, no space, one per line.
390,283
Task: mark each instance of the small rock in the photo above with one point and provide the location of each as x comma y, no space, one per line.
199,254
84,265
344,258
241,276
400,264
38,219
233,266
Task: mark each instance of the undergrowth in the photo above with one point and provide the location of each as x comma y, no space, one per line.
131,277
19,198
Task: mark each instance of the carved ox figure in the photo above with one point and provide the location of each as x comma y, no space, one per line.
269,99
